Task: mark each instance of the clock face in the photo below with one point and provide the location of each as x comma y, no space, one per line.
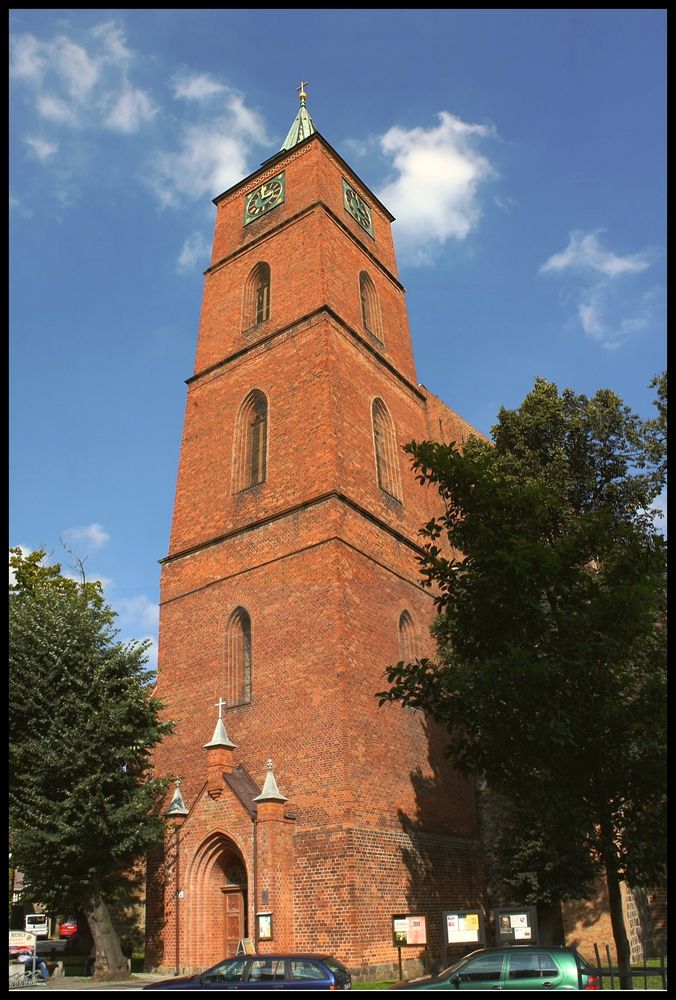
270,194
357,208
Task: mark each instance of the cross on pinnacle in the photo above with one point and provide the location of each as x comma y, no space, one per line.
301,90
220,705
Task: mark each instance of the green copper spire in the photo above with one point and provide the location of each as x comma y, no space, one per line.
303,126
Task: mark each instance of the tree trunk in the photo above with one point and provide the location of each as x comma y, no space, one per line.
550,923
110,963
615,905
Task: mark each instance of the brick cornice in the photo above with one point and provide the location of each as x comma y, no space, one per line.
307,318
288,512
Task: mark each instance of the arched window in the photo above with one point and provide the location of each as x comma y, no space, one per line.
251,442
408,645
370,307
238,658
257,296
385,444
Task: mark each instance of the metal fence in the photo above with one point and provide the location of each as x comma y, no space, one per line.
609,973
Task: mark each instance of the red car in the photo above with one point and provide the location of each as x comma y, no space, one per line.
67,928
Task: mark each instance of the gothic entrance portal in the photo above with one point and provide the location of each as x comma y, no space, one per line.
218,911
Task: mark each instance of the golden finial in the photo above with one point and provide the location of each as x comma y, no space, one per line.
301,91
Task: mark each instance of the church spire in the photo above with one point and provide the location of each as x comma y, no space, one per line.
302,126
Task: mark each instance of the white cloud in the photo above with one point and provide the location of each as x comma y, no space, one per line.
435,191
196,87
131,109
196,252
78,71
40,148
584,252
78,86
608,312
56,110
93,536
27,59
137,612
112,37
211,157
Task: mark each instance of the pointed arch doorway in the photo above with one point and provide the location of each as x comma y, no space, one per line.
219,911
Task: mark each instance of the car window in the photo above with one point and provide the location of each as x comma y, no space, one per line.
227,972
532,965
484,969
337,968
266,970
302,968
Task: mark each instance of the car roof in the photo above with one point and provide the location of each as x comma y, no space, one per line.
518,947
321,956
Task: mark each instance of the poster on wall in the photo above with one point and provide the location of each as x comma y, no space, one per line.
517,924
409,929
464,927
264,928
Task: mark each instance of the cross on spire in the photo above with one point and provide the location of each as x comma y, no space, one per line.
301,90
220,705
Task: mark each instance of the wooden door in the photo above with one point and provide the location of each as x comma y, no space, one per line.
235,928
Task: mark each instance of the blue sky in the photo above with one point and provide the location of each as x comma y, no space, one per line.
523,153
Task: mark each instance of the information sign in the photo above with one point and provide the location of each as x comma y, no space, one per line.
409,929
516,925
464,927
21,939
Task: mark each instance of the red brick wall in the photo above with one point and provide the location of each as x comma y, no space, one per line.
324,563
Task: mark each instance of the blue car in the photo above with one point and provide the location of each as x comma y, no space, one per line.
265,972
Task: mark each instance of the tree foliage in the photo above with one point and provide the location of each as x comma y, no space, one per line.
551,668
84,804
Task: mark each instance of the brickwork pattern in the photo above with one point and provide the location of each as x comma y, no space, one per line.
324,563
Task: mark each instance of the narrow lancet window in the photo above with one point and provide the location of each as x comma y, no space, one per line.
238,658
251,442
385,444
257,296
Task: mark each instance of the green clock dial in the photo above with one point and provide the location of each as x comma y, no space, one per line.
357,208
268,195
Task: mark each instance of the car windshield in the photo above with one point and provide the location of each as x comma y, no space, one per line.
445,973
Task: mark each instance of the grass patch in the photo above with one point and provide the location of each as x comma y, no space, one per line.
381,984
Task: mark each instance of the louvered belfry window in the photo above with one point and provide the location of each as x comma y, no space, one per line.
251,442
238,658
385,444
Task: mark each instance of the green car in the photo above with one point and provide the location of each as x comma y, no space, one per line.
517,967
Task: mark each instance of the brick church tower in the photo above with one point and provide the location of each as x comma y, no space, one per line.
308,816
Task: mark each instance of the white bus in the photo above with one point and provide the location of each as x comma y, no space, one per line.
38,924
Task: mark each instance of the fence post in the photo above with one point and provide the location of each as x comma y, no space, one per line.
610,968
598,964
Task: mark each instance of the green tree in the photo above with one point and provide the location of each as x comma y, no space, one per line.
84,805
551,668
